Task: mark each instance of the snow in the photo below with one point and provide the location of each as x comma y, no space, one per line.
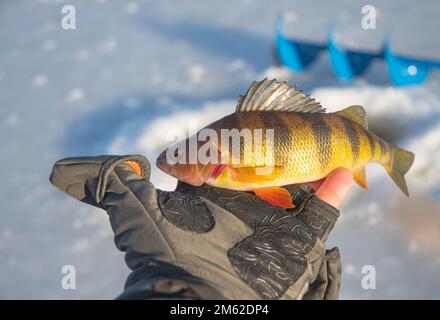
131,69
39,80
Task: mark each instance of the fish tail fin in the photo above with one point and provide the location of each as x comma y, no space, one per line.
398,165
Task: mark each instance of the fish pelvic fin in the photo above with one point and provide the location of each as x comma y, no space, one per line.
360,178
398,165
276,196
356,114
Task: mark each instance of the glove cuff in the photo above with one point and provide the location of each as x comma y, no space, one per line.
318,215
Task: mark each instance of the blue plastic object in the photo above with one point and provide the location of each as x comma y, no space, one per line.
406,71
297,55
347,63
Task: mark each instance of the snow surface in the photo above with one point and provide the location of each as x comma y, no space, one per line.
133,69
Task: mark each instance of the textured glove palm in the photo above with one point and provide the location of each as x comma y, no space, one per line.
205,242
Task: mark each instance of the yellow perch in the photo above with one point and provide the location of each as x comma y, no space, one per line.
305,144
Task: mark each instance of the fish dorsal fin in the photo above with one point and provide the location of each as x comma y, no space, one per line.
271,95
356,114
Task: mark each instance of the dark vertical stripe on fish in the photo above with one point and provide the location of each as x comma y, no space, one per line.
260,123
382,148
322,134
275,121
372,144
387,148
286,132
353,137
229,123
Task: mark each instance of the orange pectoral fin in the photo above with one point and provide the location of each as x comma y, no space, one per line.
276,196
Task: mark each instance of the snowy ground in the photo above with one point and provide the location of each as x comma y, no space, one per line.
132,68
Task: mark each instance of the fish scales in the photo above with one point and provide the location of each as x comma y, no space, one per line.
307,145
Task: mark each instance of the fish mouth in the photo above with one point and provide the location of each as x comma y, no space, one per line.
161,162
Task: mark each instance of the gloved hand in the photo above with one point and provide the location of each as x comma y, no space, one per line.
205,242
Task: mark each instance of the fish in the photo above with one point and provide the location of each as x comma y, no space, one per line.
285,137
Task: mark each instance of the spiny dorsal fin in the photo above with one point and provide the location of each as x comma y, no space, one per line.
271,95
356,114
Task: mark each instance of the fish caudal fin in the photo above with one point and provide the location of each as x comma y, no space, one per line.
276,196
399,164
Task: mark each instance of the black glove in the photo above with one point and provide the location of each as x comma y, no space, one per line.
205,242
